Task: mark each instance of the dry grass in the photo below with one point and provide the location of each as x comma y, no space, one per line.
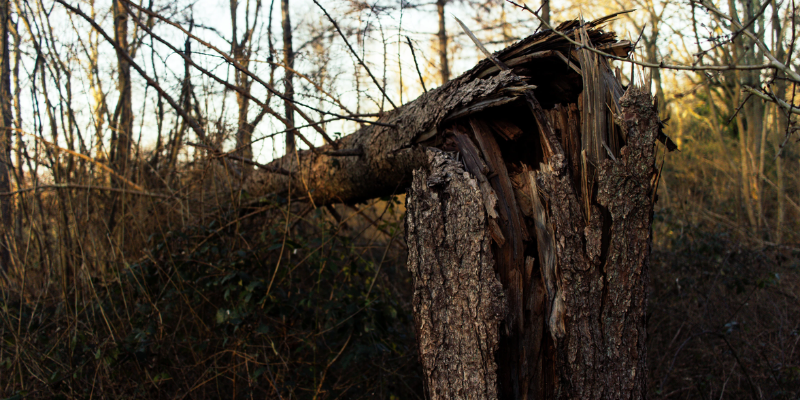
200,292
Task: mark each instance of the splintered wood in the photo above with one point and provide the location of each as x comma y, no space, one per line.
528,226
565,192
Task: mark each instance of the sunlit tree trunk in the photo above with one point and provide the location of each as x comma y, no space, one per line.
20,171
100,110
546,11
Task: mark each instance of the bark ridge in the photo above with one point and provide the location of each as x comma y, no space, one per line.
458,301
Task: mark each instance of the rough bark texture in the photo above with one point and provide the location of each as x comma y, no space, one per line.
389,155
589,290
555,196
627,190
598,314
458,302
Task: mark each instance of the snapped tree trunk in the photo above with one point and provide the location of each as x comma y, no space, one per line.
544,174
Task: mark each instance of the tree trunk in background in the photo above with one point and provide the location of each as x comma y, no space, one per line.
651,49
546,11
20,171
7,229
122,126
781,123
240,50
749,120
444,67
288,58
186,102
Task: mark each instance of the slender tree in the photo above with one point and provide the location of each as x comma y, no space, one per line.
241,51
288,59
6,129
444,66
122,121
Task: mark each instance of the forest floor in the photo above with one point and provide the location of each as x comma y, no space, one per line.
310,306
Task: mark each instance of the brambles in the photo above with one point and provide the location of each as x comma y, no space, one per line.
206,315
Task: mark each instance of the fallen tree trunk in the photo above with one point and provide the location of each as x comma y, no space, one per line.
544,174
386,153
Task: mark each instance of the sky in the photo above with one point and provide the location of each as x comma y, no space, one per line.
383,26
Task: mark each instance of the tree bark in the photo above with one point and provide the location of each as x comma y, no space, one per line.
601,272
124,125
555,194
444,67
546,11
390,153
123,116
240,51
450,258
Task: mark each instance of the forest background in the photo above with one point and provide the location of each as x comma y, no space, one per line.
134,263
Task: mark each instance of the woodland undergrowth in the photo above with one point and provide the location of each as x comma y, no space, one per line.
227,297
211,294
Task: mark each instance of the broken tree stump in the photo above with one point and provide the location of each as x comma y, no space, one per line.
529,218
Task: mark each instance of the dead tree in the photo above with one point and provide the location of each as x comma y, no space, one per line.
530,203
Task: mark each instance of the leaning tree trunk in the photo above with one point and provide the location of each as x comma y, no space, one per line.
529,219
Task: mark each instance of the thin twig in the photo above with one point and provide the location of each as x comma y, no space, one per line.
774,62
89,159
786,106
253,76
186,117
85,187
217,154
492,58
335,25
